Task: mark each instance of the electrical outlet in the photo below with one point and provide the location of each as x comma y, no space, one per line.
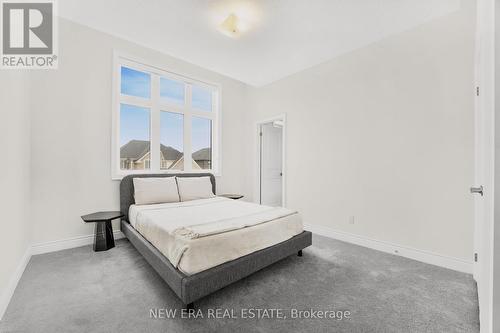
351,219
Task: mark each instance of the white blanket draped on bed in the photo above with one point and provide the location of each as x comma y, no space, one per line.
190,220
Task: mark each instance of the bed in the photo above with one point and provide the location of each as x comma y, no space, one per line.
197,264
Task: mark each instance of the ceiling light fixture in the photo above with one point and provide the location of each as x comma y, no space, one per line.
230,26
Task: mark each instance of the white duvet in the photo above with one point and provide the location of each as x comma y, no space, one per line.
215,225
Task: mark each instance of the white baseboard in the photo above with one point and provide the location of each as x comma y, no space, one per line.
404,251
68,243
14,280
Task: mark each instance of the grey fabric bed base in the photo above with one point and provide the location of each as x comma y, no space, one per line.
190,288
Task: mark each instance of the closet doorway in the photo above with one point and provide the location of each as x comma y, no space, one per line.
271,157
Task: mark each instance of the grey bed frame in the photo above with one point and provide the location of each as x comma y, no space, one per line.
190,288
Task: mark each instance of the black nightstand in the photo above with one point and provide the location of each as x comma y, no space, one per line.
232,196
103,238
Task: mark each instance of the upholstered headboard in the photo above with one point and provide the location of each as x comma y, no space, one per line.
127,187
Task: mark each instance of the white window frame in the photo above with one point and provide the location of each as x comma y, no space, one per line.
156,106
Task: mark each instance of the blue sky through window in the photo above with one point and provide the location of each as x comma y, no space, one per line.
135,83
172,91
202,98
172,130
201,133
134,123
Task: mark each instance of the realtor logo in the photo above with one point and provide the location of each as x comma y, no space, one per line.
28,34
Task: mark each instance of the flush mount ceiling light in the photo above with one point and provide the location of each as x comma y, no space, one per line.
235,18
230,26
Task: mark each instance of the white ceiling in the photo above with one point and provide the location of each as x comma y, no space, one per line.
283,36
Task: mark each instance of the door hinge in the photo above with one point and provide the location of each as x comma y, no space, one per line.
477,91
260,133
475,257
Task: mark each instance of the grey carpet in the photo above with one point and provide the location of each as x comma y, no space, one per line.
78,290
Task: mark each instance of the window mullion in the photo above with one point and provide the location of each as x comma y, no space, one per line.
172,108
137,101
188,165
203,114
155,123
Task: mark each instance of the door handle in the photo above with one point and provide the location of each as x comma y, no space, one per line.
477,190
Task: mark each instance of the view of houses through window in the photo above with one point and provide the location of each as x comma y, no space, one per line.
157,110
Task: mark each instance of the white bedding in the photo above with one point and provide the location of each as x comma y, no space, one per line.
200,234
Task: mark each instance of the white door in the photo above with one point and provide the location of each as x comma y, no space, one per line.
479,163
483,188
271,163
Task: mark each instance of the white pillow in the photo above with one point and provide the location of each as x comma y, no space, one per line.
155,190
193,188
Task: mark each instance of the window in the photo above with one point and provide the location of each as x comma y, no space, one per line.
162,122
172,91
171,141
134,137
202,99
202,143
135,83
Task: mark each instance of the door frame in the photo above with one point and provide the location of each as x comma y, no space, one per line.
257,187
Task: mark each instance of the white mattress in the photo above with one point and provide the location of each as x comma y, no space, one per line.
201,234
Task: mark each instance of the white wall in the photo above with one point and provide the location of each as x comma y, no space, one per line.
385,134
71,130
15,228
